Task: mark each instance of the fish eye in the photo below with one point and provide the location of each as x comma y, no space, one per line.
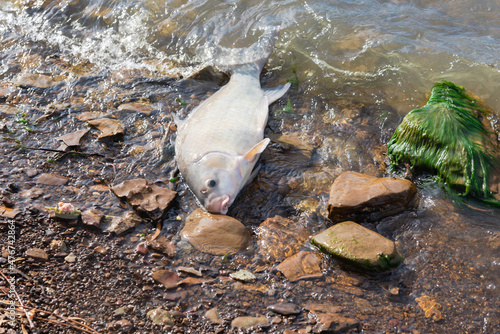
211,183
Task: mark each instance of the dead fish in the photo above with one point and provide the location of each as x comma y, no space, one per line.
219,143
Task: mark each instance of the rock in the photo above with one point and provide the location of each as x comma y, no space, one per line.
285,308
73,138
279,238
249,322
8,212
145,197
108,127
34,80
37,254
300,266
122,224
92,217
162,245
124,325
70,258
190,271
243,276
213,316
101,250
52,179
144,108
169,279
358,246
161,317
329,320
215,234
58,246
141,248
354,194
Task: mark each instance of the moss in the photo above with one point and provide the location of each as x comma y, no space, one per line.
446,137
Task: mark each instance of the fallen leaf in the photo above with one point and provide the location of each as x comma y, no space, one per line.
73,138
108,127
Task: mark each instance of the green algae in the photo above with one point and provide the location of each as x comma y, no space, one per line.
446,136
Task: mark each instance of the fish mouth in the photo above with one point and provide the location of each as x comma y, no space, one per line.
219,205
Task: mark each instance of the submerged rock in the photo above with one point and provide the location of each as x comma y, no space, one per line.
355,194
213,316
52,179
169,279
358,246
122,224
161,317
285,308
215,234
249,322
328,319
92,217
301,266
279,238
145,197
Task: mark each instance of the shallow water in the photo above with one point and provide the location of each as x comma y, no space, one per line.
361,66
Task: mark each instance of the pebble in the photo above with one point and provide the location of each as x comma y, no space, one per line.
213,316
70,258
160,317
285,308
249,322
37,254
300,266
243,276
58,246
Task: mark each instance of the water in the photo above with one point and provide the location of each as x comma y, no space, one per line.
361,66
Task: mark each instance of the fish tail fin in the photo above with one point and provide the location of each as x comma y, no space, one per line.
252,58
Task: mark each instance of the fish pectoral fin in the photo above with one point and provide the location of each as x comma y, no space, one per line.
255,151
276,92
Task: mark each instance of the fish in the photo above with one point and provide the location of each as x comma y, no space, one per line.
219,143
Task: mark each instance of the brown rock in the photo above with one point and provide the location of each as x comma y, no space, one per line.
162,245
8,212
213,316
37,254
122,224
328,319
73,138
249,322
144,108
169,279
279,238
300,266
92,217
108,127
35,80
145,197
285,308
215,234
354,194
52,179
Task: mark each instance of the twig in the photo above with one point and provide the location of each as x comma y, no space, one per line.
157,232
19,299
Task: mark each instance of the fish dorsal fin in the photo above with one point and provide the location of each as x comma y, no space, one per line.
276,92
255,151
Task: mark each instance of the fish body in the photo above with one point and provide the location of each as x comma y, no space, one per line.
219,143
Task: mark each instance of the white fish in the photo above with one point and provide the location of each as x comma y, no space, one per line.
219,143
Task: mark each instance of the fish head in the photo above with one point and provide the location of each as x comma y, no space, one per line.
215,180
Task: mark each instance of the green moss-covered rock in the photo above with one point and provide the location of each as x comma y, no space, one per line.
358,246
446,136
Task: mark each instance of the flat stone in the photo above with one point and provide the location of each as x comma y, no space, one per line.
243,276
92,217
162,245
329,320
34,80
215,234
122,224
301,266
145,197
169,279
355,194
285,308
161,317
279,238
249,322
70,258
109,127
8,212
52,179
144,108
213,316
73,138
358,246
37,254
